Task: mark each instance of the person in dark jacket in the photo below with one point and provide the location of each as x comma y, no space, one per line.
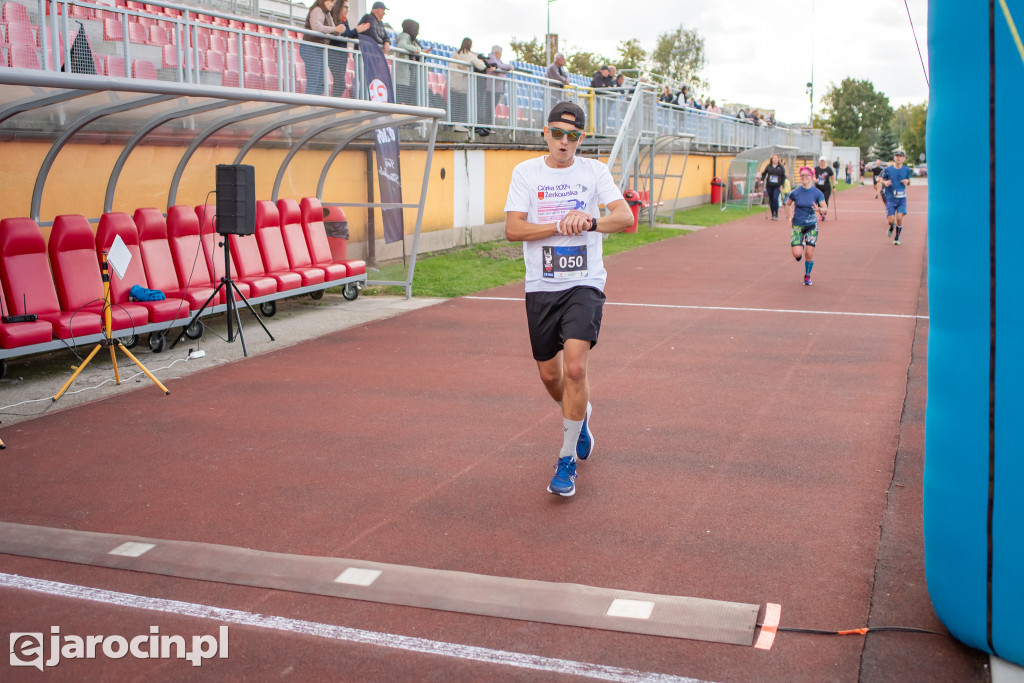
377,30
601,79
773,176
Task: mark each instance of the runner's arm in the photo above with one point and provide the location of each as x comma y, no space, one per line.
619,217
518,229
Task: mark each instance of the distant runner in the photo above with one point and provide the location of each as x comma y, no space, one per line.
895,178
825,180
774,177
876,172
804,200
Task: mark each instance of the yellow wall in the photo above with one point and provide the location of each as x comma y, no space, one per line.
78,178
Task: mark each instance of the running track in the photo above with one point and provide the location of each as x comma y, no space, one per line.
758,441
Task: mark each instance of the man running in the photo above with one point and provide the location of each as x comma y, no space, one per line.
895,179
804,200
824,179
552,208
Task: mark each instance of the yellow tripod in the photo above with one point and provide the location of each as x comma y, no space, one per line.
109,341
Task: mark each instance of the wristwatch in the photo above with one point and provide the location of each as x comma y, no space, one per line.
593,224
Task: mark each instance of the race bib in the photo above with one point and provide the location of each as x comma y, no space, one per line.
821,180
899,194
564,263
773,179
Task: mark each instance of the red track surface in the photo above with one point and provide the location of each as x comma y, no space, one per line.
750,456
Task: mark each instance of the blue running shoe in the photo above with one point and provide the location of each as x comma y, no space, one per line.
585,444
563,483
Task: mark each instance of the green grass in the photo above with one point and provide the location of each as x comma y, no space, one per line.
466,270
711,214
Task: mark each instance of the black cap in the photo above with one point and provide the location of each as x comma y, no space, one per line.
899,153
379,5
568,112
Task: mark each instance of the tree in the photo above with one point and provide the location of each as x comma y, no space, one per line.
679,55
586,63
855,112
531,52
909,122
885,145
632,56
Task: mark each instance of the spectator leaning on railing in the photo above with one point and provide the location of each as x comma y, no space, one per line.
601,78
337,60
377,30
556,71
318,19
407,75
496,84
459,82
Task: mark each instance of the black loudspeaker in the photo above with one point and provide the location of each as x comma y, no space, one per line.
236,199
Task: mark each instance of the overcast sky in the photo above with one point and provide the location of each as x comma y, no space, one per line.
758,52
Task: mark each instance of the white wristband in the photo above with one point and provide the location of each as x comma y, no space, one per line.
558,227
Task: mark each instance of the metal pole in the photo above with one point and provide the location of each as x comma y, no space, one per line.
547,39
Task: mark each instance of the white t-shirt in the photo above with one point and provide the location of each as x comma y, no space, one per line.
546,195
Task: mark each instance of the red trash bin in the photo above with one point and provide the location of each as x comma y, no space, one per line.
716,190
633,199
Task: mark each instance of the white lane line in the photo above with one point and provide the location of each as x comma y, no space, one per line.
729,308
342,633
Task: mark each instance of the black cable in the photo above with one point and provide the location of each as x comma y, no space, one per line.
990,517
857,631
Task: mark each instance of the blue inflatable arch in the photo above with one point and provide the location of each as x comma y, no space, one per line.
974,435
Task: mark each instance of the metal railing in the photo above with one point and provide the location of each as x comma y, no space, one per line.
188,44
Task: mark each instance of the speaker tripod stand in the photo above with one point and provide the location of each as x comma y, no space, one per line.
230,291
109,341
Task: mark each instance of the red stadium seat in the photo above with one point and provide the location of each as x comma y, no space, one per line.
187,252
27,283
170,56
143,69
295,247
115,67
20,34
269,74
76,273
271,247
256,283
214,61
159,35
219,42
159,261
320,249
116,224
16,335
137,33
15,12
113,29
23,57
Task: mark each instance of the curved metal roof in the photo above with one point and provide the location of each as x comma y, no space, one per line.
69,107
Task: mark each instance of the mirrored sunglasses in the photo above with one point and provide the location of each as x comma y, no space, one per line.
558,134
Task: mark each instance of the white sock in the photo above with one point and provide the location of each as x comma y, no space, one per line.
570,436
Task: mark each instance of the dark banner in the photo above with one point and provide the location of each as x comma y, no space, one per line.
378,83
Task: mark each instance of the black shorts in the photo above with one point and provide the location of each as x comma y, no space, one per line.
554,317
